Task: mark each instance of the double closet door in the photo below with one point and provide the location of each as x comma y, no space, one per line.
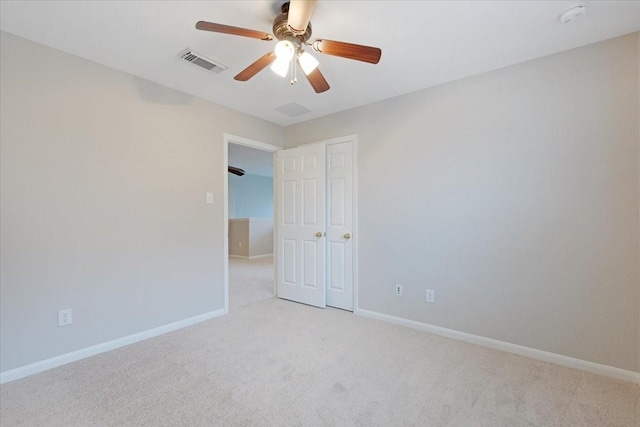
314,225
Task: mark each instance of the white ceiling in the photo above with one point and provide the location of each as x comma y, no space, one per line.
251,160
424,43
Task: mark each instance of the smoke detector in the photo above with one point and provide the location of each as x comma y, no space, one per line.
574,13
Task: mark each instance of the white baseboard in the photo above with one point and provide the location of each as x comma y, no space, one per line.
558,359
250,257
43,365
260,256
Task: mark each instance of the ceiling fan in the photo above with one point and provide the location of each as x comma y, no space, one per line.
293,31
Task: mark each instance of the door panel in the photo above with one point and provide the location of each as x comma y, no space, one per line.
289,259
336,202
309,249
336,264
310,205
339,225
300,216
289,200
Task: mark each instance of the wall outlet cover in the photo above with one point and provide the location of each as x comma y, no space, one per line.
431,295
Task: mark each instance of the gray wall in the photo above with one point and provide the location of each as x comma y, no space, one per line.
250,196
103,182
514,194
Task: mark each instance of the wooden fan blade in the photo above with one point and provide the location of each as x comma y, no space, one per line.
236,31
299,15
256,67
317,81
348,50
236,171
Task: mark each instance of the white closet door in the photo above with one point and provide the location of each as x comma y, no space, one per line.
300,224
340,225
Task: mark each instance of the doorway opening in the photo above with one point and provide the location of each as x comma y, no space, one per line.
249,215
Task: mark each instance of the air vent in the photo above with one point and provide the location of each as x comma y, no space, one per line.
202,61
292,109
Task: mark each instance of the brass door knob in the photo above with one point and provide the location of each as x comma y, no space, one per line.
319,234
347,236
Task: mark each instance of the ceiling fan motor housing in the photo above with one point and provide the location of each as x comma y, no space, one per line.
282,31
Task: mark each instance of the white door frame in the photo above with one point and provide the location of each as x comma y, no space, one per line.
238,140
355,238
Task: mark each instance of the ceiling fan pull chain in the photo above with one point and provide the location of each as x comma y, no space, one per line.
294,72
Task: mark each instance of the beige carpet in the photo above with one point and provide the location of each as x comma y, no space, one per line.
274,362
250,280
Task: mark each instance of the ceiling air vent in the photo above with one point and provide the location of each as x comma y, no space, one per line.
293,109
202,61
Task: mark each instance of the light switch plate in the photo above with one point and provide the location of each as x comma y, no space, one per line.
64,317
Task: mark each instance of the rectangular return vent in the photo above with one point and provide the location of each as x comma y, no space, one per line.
292,109
202,61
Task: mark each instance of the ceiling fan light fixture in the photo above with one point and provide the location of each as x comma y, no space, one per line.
284,50
280,66
293,30
307,62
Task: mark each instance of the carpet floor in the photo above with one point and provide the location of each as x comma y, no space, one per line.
250,280
272,362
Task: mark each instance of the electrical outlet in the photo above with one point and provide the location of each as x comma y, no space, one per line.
209,198
398,290
64,317
431,295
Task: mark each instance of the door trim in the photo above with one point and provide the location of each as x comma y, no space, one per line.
238,140
354,200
